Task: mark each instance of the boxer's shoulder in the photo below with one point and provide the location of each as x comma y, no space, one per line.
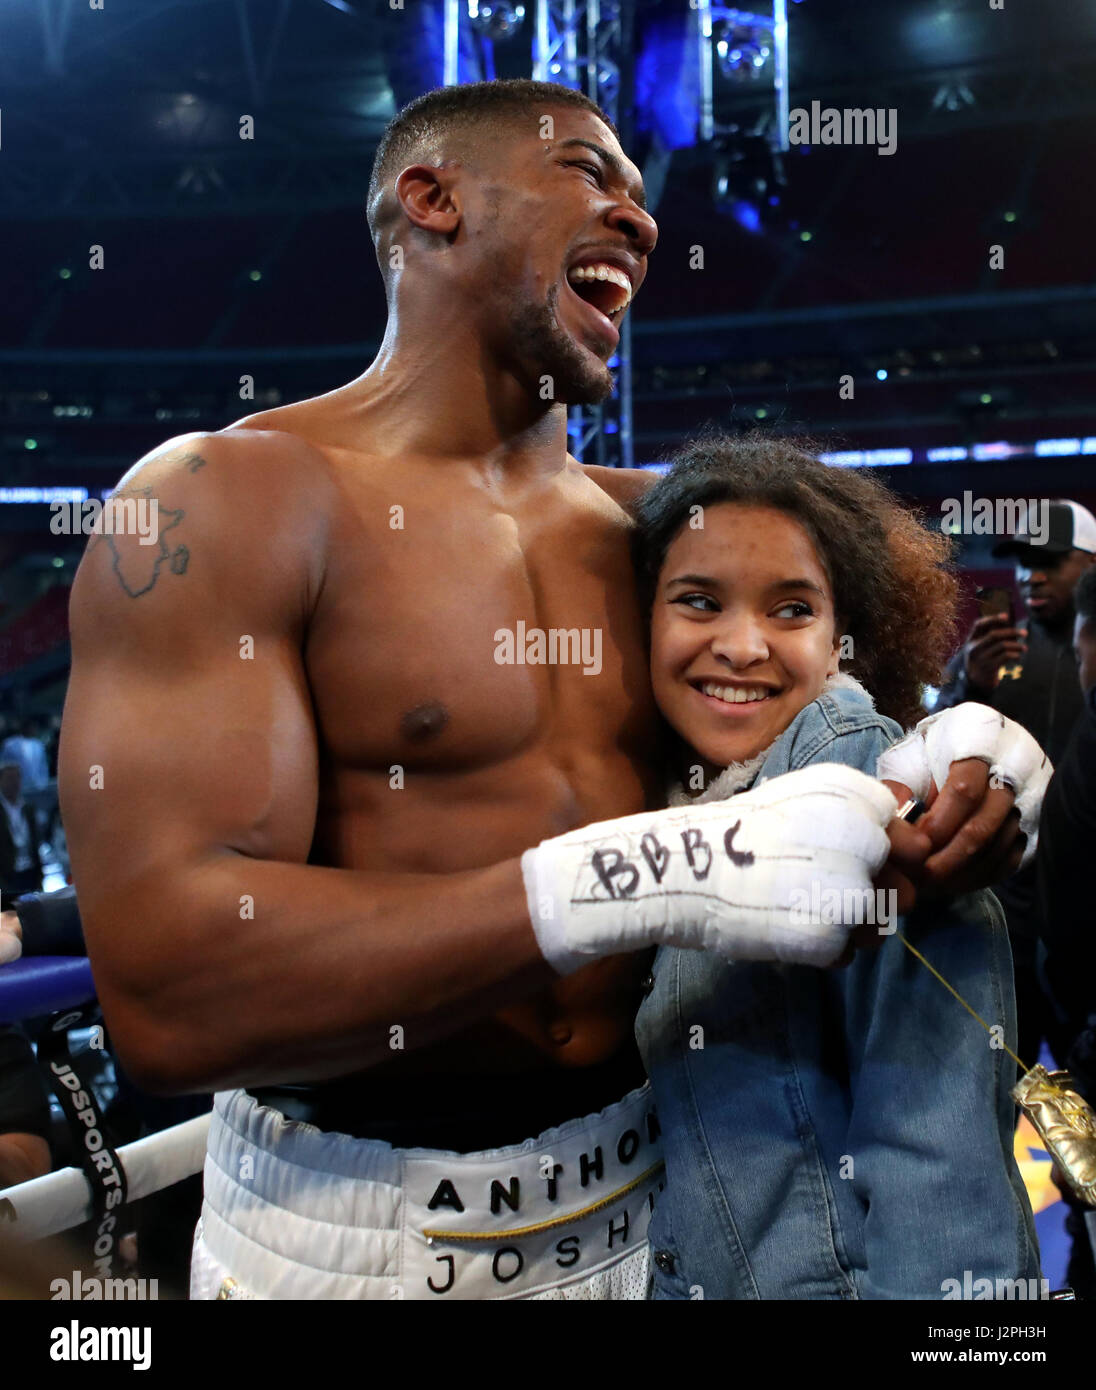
210,510
224,462
624,485
332,442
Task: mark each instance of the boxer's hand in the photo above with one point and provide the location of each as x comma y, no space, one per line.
11,937
764,876
975,833
909,848
972,766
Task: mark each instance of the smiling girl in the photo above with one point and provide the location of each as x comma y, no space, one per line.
829,1133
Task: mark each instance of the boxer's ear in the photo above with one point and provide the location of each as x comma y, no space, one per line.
428,199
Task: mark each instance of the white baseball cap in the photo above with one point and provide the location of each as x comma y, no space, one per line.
1069,526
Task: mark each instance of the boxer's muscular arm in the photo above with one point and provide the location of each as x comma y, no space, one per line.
206,801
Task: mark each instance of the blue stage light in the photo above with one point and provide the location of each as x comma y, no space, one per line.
747,215
667,79
496,19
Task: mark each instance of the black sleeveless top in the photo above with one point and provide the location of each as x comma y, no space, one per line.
460,1113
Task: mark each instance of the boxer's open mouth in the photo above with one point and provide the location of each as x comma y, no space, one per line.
605,286
606,290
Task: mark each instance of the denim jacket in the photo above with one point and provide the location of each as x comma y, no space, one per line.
839,1133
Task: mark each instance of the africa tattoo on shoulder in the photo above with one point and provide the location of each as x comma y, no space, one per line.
137,568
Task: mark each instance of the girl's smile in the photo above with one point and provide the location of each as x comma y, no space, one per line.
743,630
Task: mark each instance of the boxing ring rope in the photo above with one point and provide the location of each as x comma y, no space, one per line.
45,985
57,1202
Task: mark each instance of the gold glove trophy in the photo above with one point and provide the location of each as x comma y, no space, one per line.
1066,1124
1064,1120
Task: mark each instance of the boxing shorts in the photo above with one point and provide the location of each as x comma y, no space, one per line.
294,1212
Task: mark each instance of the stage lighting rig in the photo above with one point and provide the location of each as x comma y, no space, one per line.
496,20
747,49
741,51
747,180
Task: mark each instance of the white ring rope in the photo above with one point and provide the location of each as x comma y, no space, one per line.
61,1200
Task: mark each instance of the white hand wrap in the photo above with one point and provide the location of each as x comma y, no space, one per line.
973,731
733,877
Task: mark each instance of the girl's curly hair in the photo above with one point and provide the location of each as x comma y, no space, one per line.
894,591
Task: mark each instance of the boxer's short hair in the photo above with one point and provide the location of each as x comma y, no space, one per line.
894,592
415,132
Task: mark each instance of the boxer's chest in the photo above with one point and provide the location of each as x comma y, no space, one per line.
460,634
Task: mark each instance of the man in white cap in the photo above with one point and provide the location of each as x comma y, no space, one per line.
1030,675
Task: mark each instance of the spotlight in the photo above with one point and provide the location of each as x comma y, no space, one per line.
496,19
740,52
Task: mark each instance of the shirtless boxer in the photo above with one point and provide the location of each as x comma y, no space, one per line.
297,781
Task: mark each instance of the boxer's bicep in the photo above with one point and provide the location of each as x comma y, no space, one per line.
188,733
172,751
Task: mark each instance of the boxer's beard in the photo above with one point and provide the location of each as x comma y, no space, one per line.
577,379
